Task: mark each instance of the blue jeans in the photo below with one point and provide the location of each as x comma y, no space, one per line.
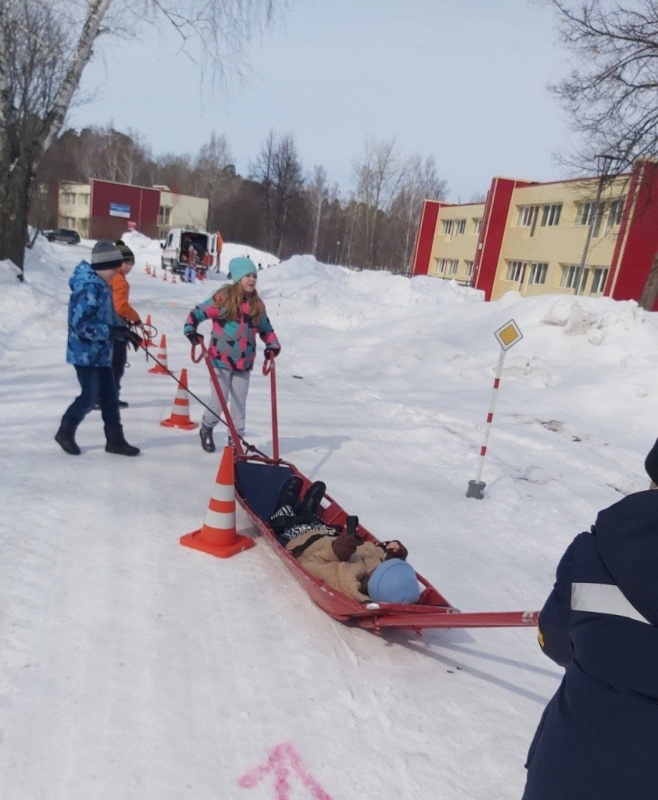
98,386
189,275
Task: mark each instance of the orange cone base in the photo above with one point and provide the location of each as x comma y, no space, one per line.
194,541
186,425
158,370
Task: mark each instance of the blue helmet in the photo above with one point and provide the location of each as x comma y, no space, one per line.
394,581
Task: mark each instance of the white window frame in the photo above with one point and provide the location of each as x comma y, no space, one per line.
477,225
527,216
538,273
550,216
468,268
515,271
599,280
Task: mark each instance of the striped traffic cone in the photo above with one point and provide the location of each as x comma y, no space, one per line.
160,367
180,415
173,277
148,342
218,536
148,268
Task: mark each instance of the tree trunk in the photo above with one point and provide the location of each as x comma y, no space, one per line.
650,291
14,200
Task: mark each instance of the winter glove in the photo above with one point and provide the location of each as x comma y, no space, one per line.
344,546
394,549
271,353
194,338
133,338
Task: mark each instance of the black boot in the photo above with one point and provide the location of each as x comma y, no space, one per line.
311,500
116,442
289,492
207,442
65,437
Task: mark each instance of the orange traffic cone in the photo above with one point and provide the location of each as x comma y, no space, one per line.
164,274
160,367
153,272
173,277
180,415
148,268
148,342
218,535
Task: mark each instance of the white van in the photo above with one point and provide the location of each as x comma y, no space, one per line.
175,246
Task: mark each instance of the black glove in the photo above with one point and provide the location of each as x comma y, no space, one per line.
271,354
133,338
194,338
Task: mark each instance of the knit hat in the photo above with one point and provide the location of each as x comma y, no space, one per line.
394,581
105,255
239,267
126,252
651,463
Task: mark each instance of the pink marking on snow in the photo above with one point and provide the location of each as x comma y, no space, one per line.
281,761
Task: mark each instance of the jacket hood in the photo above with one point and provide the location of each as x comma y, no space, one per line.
82,274
627,540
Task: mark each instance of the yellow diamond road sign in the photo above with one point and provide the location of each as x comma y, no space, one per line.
508,335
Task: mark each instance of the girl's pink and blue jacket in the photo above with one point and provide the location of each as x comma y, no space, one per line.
232,342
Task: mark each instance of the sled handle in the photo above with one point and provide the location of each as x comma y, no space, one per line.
269,369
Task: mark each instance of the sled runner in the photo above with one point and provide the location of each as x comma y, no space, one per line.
258,480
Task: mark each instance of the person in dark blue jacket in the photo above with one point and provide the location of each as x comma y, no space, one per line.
89,349
598,736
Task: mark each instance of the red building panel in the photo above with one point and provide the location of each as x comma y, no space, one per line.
425,237
637,242
114,205
492,233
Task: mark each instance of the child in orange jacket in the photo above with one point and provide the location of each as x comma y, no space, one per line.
124,314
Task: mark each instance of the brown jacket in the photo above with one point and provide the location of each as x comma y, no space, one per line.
345,576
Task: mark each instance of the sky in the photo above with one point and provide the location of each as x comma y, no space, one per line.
464,82
134,668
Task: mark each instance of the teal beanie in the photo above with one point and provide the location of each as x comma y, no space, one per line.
239,267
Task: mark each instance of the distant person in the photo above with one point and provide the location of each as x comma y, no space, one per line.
220,244
238,315
598,736
190,270
89,349
125,315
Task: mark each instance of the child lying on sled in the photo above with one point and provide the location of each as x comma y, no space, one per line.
359,569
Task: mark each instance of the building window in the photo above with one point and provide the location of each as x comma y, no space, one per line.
446,225
584,213
68,198
440,265
614,213
477,226
453,266
164,215
469,268
538,272
527,216
551,215
515,270
84,198
570,274
460,227
599,277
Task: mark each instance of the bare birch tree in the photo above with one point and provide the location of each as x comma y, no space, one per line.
611,93
378,175
44,49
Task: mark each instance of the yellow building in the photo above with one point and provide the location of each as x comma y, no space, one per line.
594,236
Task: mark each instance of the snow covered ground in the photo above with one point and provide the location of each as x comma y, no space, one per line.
134,668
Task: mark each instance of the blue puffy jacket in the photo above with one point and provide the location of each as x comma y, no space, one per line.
598,737
91,317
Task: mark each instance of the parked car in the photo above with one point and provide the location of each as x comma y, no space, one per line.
175,247
63,235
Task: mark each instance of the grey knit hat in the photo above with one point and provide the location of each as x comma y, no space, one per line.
105,255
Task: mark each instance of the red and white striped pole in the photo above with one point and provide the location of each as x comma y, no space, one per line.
508,335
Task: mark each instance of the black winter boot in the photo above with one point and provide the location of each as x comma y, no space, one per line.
207,442
65,437
311,500
289,492
116,442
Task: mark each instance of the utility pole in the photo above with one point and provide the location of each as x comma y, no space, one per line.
603,163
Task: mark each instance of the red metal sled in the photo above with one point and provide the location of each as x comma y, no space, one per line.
258,479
